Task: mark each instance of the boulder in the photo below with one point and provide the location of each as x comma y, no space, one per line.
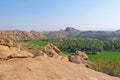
6,42
50,50
81,58
82,54
7,50
4,52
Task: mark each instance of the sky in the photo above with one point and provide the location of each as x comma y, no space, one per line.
51,15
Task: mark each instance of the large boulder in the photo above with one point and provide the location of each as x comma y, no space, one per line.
4,52
7,50
82,54
6,42
81,58
49,50
13,52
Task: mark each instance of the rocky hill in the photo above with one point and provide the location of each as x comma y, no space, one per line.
20,35
49,64
68,32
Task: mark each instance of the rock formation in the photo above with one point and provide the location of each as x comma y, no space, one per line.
81,58
8,51
21,35
6,42
46,67
68,32
50,50
41,68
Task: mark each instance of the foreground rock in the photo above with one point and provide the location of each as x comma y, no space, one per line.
12,52
49,50
6,42
47,68
81,58
8,51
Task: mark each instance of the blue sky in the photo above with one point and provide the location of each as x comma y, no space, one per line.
47,15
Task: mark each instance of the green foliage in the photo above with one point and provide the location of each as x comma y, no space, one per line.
105,55
112,45
88,45
67,53
107,62
35,44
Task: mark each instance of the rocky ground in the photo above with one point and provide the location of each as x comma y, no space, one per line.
46,68
47,64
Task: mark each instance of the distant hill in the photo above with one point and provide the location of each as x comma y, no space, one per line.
68,32
21,35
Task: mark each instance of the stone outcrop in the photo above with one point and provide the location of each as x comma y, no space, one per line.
68,32
8,51
21,35
81,58
20,67
41,68
6,42
52,51
49,50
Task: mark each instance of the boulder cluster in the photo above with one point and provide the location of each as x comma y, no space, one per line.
49,50
7,50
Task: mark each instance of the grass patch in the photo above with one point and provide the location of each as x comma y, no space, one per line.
67,53
104,55
34,45
107,62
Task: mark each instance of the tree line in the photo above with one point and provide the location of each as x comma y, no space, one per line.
86,45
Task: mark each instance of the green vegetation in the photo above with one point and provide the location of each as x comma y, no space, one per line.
34,45
71,45
107,62
105,55
67,53
87,45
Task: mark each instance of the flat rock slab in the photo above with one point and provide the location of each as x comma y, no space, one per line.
46,68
